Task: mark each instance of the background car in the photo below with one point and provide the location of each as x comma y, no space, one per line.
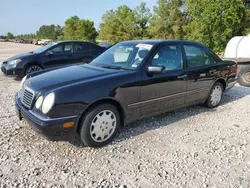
51,56
131,80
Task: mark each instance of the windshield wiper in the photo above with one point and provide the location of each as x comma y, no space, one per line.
115,67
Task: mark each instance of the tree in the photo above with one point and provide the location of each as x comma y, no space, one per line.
215,22
85,30
247,24
79,29
118,25
167,21
142,17
70,28
10,36
49,32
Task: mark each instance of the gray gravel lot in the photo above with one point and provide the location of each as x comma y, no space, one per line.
192,147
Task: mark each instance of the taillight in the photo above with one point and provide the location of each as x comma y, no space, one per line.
234,68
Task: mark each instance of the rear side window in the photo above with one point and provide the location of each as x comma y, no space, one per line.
82,47
197,56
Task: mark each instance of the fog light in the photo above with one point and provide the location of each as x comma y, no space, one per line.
68,125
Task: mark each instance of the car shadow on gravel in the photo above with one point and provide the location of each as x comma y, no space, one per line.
152,123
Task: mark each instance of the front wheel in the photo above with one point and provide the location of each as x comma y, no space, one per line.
215,96
100,125
33,68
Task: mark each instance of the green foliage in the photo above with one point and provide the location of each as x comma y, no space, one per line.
49,32
125,24
167,20
85,30
215,22
70,28
10,36
76,29
26,36
142,17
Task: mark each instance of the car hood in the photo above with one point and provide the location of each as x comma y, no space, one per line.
56,78
19,56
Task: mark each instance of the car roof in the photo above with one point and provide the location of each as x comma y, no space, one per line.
58,42
153,42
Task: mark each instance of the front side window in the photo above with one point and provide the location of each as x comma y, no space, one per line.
197,56
168,56
57,49
62,48
44,48
124,55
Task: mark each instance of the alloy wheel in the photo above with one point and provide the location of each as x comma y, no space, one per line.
103,126
216,95
34,68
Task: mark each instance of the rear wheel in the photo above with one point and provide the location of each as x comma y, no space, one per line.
100,125
244,76
215,95
33,68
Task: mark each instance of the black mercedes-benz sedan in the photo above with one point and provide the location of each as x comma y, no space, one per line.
129,81
51,56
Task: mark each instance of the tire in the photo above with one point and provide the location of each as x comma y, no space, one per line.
244,76
215,96
94,134
33,68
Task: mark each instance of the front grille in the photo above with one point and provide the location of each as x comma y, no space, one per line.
27,97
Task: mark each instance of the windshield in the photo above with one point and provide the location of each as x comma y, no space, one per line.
44,48
123,56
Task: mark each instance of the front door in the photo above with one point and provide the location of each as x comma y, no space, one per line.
167,90
202,71
62,54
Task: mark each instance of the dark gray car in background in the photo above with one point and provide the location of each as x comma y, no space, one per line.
50,56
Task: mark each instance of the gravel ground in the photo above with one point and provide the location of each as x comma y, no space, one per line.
191,147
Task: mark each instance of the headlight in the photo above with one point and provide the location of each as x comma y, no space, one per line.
39,102
48,103
14,62
22,82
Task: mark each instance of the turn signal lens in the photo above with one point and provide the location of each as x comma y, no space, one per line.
68,125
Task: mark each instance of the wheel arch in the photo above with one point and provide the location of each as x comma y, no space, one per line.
32,63
99,102
223,82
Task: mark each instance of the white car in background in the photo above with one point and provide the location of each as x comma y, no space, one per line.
44,41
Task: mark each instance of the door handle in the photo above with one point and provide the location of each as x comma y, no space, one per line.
212,72
182,77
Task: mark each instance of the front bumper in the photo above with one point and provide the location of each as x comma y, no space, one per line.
51,129
11,70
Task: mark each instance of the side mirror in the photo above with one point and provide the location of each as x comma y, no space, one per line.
156,69
49,53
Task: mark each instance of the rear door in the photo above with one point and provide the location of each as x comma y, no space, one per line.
202,72
82,52
85,52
